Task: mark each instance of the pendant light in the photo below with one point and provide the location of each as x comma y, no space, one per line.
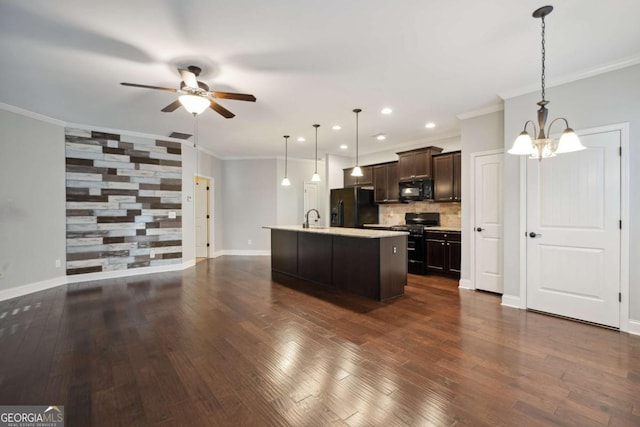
285,181
543,146
316,176
357,171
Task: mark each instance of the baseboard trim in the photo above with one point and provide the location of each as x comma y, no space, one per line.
126,273
240,252
634,327
510,301
30,288
466,284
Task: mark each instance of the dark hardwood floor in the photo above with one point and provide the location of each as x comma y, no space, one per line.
221,344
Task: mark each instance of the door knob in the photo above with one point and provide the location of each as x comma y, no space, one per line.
534,234
479,229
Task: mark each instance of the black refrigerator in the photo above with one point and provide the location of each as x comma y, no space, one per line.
352,207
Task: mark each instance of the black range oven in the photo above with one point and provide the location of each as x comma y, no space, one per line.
415,224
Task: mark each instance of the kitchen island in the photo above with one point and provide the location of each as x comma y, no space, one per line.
369,263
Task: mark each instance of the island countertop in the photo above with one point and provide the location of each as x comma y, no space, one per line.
340,231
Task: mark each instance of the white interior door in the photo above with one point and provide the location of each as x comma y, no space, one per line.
310,197
488,212
202,217
573,211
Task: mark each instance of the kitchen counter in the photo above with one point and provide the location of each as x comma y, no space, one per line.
388,227
443,228
340,231
369,263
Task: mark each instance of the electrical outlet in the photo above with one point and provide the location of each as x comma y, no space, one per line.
57,263
152,254
172,215
395,249
249,242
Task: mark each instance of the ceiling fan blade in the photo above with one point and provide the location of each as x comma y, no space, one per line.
236,96
172,107
188,78
221,110
168,89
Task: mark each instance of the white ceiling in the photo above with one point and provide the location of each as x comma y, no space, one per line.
307,62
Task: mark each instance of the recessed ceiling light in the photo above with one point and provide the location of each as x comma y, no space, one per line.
381,137
344,146
430,125
386,110
301,139
336,127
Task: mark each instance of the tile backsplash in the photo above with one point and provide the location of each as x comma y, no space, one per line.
394,213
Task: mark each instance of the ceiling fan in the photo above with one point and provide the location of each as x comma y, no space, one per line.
195,96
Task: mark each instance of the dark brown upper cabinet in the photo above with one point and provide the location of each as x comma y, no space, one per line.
446,177
416,164
385,183
365,180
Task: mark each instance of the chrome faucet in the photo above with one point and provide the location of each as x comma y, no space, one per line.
306,217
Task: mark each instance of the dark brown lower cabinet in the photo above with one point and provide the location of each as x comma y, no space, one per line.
442,252
375,268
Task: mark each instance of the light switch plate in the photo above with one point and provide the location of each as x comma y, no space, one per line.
172,214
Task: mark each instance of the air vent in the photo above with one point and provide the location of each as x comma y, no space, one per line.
180,135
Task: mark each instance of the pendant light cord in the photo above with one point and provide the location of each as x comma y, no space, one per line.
357,112
316,126
543,58
286,142
195,140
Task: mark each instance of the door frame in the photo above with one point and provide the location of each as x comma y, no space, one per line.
471,283
623,128
211,219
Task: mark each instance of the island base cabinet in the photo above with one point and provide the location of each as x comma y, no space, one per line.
315,257
374,268
284,252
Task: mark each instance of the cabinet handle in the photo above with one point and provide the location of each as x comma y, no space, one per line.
450,197
442,244
445,235
447,244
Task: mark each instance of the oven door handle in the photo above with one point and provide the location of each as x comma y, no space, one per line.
411,249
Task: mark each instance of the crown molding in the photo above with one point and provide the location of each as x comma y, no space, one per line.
62,123
602,69
419,143
480,112
31,114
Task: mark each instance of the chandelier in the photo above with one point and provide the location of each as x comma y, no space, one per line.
544,146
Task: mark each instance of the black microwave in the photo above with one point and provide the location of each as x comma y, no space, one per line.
411,191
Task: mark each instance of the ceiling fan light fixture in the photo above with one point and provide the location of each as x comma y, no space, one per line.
194,104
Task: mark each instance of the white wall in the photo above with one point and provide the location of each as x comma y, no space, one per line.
482,133
32,201
211,166
597,101
249,192
291,199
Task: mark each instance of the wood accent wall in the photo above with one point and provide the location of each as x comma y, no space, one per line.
119,194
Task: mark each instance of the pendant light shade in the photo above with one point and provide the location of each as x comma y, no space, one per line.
194,104
357,171
316,175
544,146
285,181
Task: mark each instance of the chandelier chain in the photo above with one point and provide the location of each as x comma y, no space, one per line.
543,58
